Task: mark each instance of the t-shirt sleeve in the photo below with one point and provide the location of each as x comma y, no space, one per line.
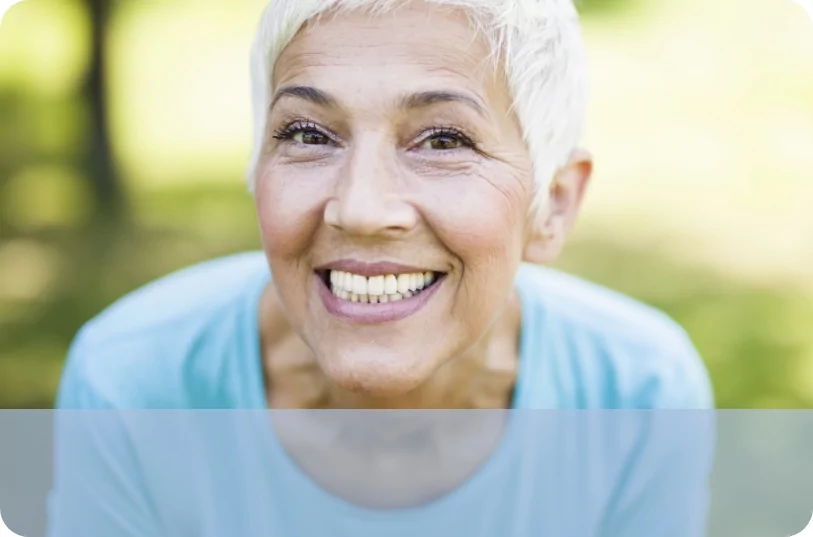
664,486
685,382
663,490
663,371
97,491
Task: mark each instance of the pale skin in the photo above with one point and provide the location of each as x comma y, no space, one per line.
370,174
362,165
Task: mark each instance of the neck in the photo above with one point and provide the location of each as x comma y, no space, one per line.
407,458
481,377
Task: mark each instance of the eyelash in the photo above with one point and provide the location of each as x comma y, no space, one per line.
289,130
300,125
450,131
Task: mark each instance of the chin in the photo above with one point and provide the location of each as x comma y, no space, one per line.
378,374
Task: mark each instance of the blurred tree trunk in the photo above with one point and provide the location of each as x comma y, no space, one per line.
108,191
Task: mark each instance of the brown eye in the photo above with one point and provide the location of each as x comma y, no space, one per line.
304,133
444,142
310,138
445,139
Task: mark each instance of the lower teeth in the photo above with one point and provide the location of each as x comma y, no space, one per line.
373,299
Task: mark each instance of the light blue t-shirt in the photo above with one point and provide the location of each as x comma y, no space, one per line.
185,446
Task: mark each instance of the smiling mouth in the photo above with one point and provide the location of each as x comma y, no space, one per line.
380,289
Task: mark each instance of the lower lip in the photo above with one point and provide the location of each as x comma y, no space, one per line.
359,312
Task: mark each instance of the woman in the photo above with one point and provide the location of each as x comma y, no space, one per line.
414,164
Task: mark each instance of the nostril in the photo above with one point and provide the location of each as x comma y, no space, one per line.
364,216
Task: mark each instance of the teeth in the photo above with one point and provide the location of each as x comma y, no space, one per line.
375,285
379,289
359,284
403,283
390,285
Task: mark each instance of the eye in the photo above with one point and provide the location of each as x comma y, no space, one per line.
445,139
310,138
303,132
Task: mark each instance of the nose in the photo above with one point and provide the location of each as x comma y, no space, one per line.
369,197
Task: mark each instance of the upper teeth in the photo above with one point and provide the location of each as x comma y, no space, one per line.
376,286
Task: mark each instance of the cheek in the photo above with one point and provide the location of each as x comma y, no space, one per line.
288,210
484,225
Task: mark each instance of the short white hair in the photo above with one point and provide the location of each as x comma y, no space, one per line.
539,43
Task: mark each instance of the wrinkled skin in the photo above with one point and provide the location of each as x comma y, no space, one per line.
444,184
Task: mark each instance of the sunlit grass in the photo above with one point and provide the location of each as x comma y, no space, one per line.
702,128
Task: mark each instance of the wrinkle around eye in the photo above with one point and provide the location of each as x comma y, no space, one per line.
287,152
439,167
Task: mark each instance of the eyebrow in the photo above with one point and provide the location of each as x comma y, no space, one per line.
308,93
428,98
414,100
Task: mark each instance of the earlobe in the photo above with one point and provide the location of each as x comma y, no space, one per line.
565,199
545,244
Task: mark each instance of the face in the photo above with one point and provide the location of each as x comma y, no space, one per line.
392,194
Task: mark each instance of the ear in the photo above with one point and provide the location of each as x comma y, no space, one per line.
548,234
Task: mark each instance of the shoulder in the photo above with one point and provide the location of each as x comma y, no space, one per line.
150,347
611,350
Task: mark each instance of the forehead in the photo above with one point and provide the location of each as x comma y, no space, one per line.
415,46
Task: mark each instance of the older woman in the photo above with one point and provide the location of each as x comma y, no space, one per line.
414,165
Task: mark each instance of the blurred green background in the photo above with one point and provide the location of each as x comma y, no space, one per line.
125,129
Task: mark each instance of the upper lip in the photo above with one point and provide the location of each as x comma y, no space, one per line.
362,268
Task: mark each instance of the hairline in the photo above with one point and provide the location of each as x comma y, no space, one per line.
544,73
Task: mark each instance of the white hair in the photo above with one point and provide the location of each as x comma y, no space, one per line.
539,43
